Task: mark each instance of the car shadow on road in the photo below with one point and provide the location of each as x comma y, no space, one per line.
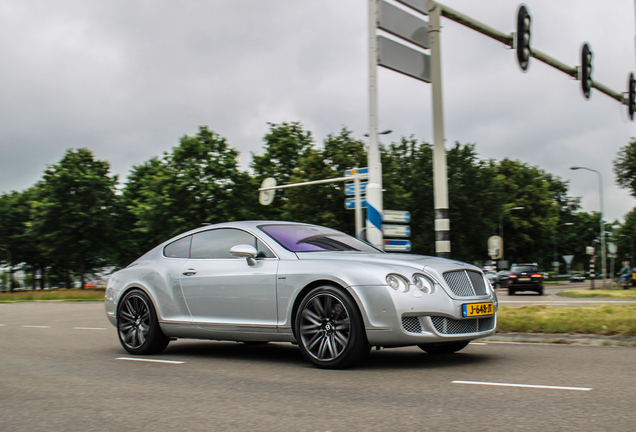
290,355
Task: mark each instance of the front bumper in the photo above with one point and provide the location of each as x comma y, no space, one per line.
393,318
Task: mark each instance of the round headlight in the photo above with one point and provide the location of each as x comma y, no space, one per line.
397,282
423,283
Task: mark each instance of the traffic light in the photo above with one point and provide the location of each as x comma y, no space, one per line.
586,70
631,97
523,37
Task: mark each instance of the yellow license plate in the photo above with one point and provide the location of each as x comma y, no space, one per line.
525,279
477,309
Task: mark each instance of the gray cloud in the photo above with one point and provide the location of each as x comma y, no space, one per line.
127,79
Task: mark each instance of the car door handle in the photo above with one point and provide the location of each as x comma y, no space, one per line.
190,272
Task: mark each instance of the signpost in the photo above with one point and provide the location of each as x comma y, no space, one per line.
397,245
350,188
396,230
396,216
350,203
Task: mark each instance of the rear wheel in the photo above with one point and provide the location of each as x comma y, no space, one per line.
329,329
540,292
511,291
137,325
443,347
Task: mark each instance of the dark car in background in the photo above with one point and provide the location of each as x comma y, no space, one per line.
502,279
525,277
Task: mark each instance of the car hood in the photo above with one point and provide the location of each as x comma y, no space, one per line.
420,262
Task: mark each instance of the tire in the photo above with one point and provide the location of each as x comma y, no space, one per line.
540,292
511,292
442,348
137,325
329,329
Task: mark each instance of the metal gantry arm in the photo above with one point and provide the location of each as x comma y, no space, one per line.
508,40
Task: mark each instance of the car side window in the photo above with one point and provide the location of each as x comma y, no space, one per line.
218,242
179,248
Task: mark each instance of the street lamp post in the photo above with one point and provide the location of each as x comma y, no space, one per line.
501,228
555,263
600,193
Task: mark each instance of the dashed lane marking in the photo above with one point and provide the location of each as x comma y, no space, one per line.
150,360
522,385
34,326
478,343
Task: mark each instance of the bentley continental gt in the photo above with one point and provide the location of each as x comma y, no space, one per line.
265,281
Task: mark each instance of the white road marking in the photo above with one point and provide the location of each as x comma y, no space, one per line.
522,385
478,343
2,325
150,360
88,328
32,326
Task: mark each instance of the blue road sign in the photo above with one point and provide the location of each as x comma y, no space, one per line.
364,172
350,203
397,245
396,216
396,230
350,188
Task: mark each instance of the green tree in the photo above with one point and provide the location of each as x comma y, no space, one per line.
625,167
74,216
527,232
285,145
198,182
324,204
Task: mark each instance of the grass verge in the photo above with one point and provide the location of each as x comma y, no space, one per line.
611,320
599,293
73,294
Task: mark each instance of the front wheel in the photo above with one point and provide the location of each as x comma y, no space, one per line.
443,347
137,325
329,329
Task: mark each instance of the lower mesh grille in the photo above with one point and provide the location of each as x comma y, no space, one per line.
411,324
445,325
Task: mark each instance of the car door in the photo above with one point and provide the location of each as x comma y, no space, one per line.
226,293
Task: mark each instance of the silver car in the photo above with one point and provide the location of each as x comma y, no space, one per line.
332,294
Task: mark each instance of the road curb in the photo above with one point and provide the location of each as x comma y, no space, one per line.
563,338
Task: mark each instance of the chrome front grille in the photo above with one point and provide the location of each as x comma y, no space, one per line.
466,283
445,325
411,324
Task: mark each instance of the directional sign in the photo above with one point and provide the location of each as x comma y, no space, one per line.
397,245
350,188
396,216
350,203
396,230
363,172
405,60
403,25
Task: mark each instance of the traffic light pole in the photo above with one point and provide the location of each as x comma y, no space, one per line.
440,176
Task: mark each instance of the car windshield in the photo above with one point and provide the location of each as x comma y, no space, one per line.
520,269
310,238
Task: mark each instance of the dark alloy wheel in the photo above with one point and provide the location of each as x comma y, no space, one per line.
443,347
138,328
329,329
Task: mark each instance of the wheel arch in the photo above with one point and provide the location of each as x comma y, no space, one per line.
314,284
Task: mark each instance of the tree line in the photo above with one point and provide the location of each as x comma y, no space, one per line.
78,218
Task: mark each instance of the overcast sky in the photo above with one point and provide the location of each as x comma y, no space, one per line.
127,79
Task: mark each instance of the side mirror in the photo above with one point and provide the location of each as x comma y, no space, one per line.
245,251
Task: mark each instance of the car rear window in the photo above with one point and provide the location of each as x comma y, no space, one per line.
528,268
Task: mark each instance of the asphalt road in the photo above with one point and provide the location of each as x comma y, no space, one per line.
550,297
62,369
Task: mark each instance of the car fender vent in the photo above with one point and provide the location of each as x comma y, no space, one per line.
466,283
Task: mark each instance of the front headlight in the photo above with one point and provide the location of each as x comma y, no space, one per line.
423,283
397,282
